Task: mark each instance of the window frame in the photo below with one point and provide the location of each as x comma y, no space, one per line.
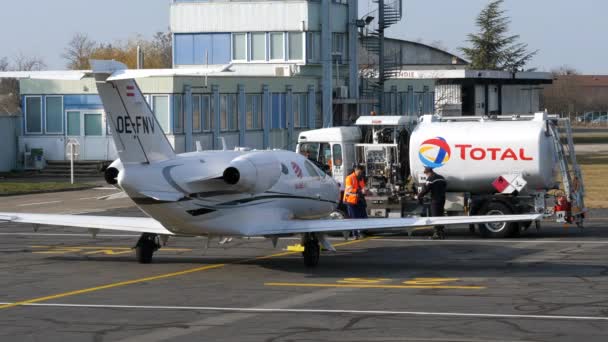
206,122
46,119
200,113
301,107
168,97
254,120
302,46
233,41
177,116
25,116
251,46
271,43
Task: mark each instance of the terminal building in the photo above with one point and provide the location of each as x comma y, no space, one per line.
289,66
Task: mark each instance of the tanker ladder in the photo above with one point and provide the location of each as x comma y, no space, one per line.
570,170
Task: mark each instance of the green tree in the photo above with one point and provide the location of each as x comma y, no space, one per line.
492,48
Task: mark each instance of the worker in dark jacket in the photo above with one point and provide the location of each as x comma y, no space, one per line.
435,185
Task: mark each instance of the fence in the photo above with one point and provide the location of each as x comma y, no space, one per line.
588,119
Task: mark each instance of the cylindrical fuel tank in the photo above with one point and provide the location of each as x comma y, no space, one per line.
471,155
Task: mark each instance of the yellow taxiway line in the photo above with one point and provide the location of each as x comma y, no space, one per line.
113,285
378,286
148,279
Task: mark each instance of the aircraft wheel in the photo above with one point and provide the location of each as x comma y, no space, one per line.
146,246
312,252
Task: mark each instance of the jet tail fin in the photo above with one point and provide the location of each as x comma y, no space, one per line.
137,134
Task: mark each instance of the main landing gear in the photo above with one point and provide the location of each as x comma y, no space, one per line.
146,246
312,250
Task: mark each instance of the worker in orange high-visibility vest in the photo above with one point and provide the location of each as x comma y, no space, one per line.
354,197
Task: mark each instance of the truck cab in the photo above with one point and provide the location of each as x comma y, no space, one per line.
333,148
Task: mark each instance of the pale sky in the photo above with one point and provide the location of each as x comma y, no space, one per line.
566,32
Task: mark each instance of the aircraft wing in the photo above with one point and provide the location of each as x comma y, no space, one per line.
320,226
124,224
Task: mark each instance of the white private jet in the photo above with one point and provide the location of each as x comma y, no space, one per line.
243,193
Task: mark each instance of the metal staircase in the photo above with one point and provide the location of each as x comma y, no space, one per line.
381,67
572,177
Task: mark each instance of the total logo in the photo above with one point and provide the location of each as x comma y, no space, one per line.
436,152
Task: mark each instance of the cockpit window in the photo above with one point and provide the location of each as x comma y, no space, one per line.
284,169
311,169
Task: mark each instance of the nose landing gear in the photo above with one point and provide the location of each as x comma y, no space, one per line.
145,247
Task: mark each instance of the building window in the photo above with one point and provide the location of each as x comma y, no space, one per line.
228,112
278,111
296,42
313,47
178,114
277,46
239,46
206,113
254,111
33,114
258,46
73,124
338,47
93,125
54,114
196,113
161,111
300,110
199,49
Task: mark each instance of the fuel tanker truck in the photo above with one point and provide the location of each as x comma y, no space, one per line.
497,165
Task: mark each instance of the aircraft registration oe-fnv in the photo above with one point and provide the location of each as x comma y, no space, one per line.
241,193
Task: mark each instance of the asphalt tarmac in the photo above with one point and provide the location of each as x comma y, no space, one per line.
60,284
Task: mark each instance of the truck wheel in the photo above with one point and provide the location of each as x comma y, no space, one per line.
500,229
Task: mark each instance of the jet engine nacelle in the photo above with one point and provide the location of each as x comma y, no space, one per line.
254,173
112,172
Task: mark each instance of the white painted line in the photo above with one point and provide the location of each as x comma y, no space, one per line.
105,188
482,241
88,198
319,311
39,203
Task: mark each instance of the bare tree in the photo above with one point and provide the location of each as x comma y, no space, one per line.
564,70
79,51
162,45
9,99
28,63
4,64
565,94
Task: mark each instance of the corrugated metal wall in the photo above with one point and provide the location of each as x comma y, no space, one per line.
8,142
